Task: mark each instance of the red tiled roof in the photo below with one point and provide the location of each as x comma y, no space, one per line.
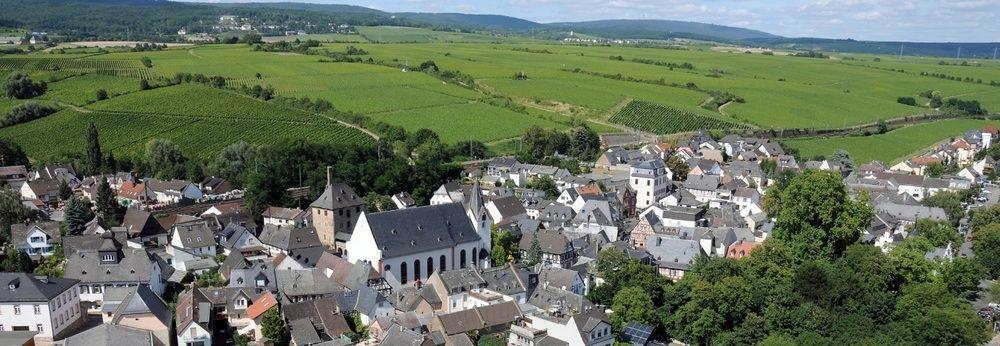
263,303
990,129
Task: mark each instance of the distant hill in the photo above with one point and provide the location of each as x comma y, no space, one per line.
331,8
940,49
489,21
659,29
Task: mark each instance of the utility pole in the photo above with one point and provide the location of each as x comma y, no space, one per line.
900,51
959,55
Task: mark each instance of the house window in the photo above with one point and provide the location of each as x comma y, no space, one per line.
430,266
39,328
240,303
2,328
38,310
17,309
402,273
443,265
109,257
416,270
461,259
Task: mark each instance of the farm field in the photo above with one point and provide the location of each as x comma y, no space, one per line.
781,91
202,102
467,121
891,146
126,133
81,90
664,120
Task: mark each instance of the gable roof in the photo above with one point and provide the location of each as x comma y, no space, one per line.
141,223
263,303
289,238
194,234
420,229
142,300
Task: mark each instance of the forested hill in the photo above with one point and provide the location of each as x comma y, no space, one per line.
488,21
150,19
940,49
653,29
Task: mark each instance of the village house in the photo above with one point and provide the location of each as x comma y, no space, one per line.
48,306
112,265
36,239
555,248
279,216
650,180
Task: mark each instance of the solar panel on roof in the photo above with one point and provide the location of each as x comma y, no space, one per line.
637,333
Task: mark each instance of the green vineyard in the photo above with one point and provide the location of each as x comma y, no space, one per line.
663,120
122,68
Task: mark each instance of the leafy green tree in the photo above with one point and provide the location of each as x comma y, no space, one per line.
881,126
907,100
273,327
16,260
679,168
504,247
77,214
986,247
11,153
939,233
816,214
144,85
146,62
632,304
101,94
935,170
546,184
20,86
95,159
65,193
26,112
984,217
52,265
164,159
962,275
211,278
910,262
584,142
107,204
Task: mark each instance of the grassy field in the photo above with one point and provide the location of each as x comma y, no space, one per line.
467,121
891,146
82,90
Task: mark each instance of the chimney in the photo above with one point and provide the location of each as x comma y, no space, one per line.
328,181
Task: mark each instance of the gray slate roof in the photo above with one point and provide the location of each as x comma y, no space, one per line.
195,234
336,196
27,288
141,300
111,334
420,229
134,266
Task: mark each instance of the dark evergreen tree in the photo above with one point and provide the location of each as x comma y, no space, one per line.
95,160
107,204
76,216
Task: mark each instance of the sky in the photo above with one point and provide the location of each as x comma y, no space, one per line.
881,20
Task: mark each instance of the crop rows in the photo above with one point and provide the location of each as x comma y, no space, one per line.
123,68
199,137
202,101
662,120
